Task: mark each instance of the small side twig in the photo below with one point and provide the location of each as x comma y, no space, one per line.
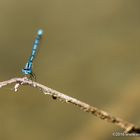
127,126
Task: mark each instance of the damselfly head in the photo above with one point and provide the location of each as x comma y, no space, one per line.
27,71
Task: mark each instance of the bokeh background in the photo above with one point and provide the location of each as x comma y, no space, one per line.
90,50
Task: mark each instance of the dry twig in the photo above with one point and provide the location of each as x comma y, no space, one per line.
127,126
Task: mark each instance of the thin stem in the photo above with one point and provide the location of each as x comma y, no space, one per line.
127,126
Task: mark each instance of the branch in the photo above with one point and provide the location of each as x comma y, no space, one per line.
126,126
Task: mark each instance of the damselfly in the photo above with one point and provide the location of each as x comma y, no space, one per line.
29,65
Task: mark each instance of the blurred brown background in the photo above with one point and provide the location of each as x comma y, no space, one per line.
90,50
